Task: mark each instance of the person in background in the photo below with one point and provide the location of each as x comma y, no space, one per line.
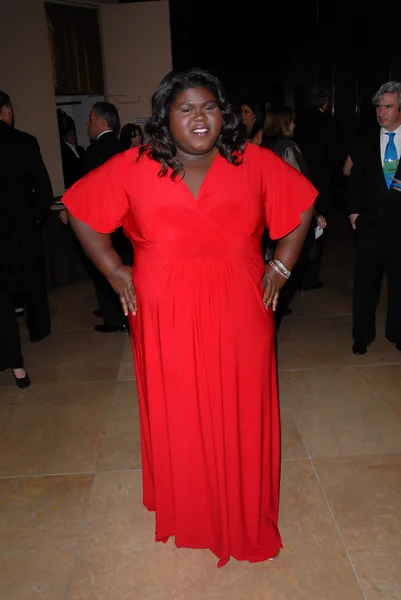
315,138
375,215
278,136
72,156
347,166
103,129
132,135
194,201
25,198
252,120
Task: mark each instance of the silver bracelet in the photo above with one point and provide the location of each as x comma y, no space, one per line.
275,267
282,267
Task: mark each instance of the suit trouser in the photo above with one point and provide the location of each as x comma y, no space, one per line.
33,296
312,267
37,309
378,251
10,342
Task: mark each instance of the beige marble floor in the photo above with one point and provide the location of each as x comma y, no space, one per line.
72,526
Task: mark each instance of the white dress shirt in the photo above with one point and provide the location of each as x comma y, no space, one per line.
103,132
73,148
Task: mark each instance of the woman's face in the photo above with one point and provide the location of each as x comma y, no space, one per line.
136,139
248,117
195,122
71,138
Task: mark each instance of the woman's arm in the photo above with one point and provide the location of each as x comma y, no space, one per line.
287,251
347,166
100,250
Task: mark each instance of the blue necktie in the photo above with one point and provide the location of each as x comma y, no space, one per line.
390,154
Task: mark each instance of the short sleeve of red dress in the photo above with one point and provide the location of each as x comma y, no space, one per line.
287,194
99,199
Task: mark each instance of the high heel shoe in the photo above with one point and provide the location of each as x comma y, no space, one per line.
22,382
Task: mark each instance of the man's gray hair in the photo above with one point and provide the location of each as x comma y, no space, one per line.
108,112
391,87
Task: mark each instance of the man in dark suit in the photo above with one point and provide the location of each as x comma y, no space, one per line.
103,129
314,135
375,214
26,195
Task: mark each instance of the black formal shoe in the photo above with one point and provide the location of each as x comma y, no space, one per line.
111,329
312,286
359,348
38,338
24,382
398,346
97,312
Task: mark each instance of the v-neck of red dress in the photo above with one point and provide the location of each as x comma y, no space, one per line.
202,186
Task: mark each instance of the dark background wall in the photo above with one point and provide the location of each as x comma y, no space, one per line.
278,50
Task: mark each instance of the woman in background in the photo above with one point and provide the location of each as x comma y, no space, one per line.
251,118
132,135
277,136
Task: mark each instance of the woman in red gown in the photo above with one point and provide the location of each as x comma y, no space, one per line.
194,202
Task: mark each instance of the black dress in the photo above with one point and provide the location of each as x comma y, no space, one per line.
289,151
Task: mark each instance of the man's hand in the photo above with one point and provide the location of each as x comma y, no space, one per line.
352,219
63,216
321,221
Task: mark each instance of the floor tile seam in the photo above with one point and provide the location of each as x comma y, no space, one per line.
106,422
336,525
68,474
71,329
295,460
354,456
339,366
113,380
304,444
319,316
79,539
25,334
139,469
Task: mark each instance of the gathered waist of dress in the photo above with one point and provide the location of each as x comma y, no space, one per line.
247,248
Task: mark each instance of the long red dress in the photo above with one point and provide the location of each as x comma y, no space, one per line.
203,341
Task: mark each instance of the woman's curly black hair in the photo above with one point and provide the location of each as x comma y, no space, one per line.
160,147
